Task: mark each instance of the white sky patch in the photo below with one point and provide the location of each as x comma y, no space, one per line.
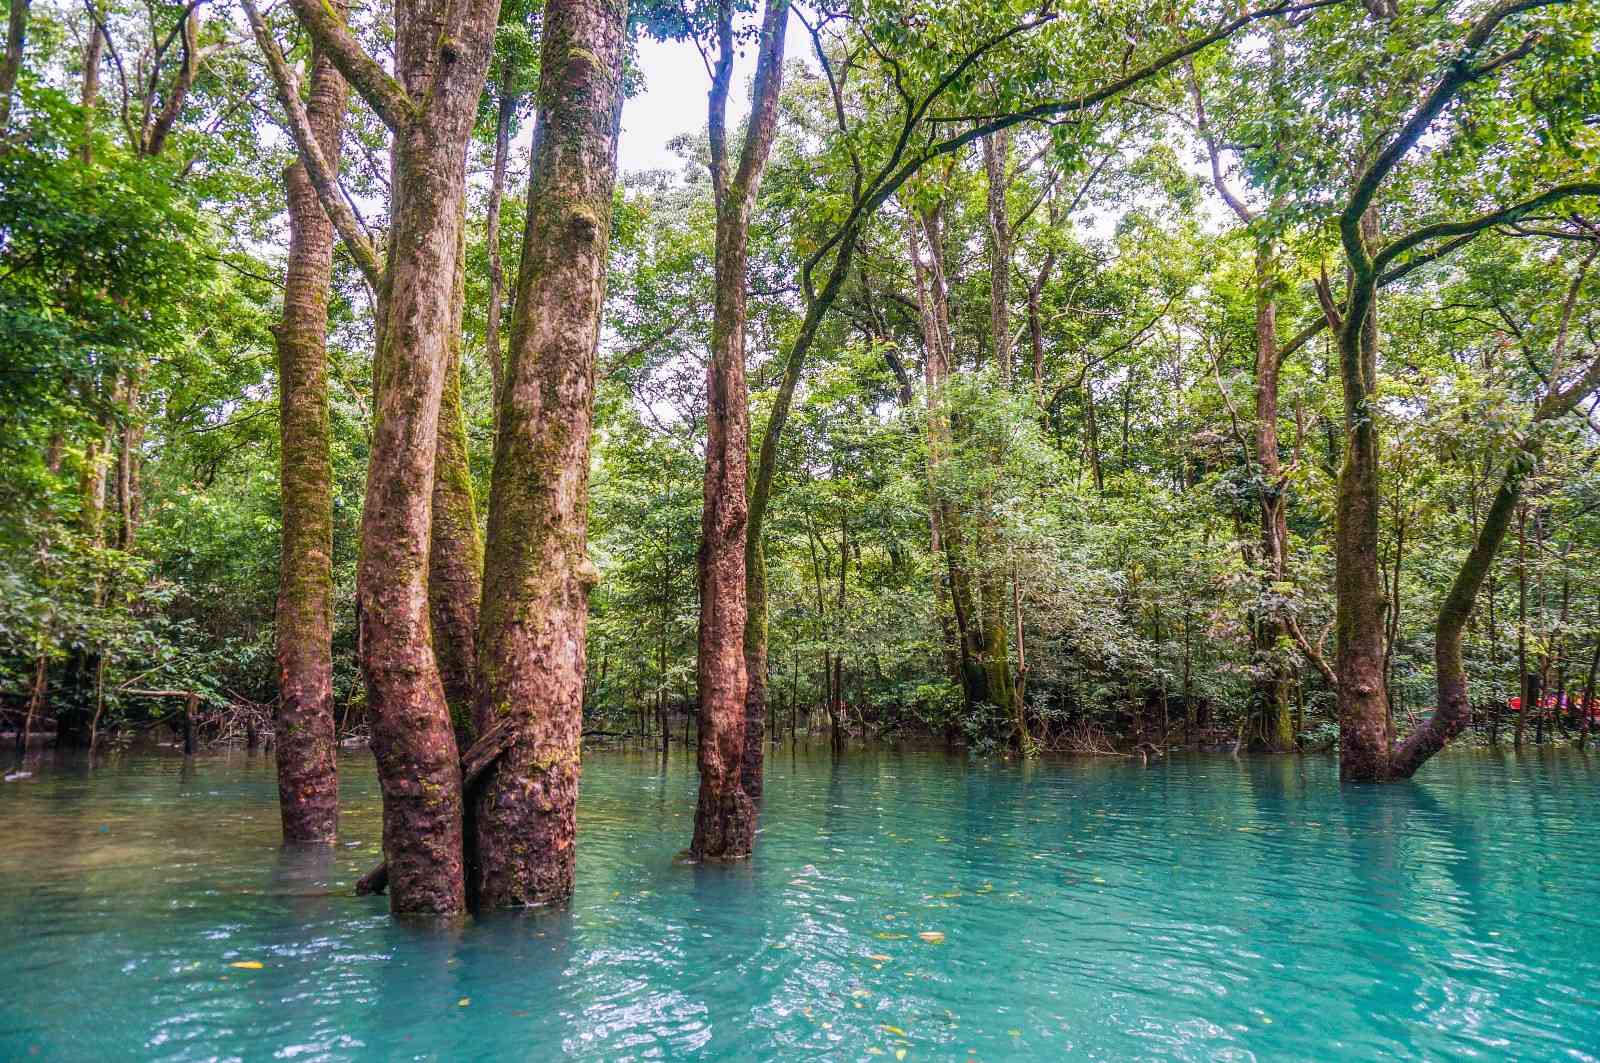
674,102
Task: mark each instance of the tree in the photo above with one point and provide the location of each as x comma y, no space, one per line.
308,783
538,572
732,723
429,106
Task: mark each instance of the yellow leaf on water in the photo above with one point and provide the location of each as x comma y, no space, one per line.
899,1053
874,1051
897,1031
884,935
878,957
932,937
247,965
463,1002
950,893
861,994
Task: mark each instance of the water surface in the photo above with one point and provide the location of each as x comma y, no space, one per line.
1205,908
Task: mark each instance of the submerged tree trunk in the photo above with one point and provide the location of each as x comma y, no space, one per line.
537,571
430,105
1364,731
308,784
731,726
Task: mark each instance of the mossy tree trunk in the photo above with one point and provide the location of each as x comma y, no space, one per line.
308,784
455,552
732,727
538,574
442,53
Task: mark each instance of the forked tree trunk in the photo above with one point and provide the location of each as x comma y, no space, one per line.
732,727
308,784
537,571
430,105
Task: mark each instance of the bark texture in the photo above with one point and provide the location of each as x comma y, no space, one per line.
308,784
441,56
538,573
731,736
455,551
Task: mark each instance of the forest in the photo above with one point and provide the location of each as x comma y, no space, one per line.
1113,377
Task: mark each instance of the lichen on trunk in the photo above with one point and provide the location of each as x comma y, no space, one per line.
308,784
537,571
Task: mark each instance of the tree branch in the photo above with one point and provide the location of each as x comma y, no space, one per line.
382,92
318,168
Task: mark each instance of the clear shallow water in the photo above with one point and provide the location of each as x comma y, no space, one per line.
1206,908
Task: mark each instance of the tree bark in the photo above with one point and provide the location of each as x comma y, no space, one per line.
455,551
537,573
430,105
731,725
11,65
308,784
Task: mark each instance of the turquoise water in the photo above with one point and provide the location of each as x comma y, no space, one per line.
1207,908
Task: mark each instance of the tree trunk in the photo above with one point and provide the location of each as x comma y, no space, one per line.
11,65
455,551
996,160
1271,725
1525,706
538,574
430,106
505,112
308,784
724,822
1364,736
1454,706
732,641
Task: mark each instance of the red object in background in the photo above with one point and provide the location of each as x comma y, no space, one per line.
1515,705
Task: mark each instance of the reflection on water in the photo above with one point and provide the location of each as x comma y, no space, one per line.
1203,908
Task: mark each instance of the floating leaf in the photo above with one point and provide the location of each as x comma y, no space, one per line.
463,1002
248,965
878,957
897,1031
899,1053
932,937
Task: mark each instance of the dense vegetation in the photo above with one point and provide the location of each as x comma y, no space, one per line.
1026,377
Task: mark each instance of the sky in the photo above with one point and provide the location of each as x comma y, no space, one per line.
674,101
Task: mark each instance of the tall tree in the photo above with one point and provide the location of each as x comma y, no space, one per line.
442,52
731,723
538,575
308,784
1367,752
